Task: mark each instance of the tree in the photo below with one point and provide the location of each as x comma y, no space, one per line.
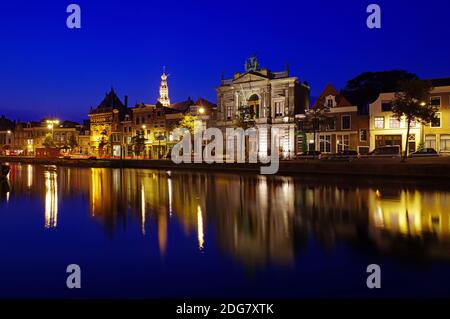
413,104
366,87
245,117
72,143
315,117
189,122
138,141
48,141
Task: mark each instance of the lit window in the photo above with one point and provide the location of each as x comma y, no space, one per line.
430,141
325,143
445,143
379,121
394,123
343,142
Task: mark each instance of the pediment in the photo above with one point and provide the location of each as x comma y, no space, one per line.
250,77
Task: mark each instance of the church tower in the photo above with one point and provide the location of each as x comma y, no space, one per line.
164,90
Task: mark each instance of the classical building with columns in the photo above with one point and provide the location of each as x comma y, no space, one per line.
271,100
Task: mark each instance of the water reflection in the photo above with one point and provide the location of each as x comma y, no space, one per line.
256,220
51,198
4,191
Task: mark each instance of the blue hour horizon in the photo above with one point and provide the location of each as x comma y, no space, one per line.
50,70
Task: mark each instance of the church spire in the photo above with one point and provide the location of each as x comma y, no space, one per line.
164,90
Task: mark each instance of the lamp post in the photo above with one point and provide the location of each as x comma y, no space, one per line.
51,125
422,128
144,134
160,137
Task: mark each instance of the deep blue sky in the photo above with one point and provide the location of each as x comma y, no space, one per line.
47,69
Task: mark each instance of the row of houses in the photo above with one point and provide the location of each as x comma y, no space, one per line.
351,130
273,100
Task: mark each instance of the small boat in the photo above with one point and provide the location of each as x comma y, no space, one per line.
4,170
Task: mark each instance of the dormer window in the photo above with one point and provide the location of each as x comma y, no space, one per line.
330,101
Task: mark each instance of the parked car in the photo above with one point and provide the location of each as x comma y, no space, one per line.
425,152
310,155
386,151
344,155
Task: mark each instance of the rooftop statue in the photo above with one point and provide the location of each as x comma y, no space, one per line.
252,64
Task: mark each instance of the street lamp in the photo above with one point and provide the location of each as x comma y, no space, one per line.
160,137
145,137
201,110
51,124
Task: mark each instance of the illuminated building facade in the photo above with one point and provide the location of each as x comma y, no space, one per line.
30,136
105,125
272,98
345,129
387,130
437,134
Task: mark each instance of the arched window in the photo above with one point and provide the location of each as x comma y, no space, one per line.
253,104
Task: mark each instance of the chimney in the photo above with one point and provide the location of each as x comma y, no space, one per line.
126,100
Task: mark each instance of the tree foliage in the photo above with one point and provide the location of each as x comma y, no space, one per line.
190,122
48,141
245,117
138,141
412,103
366,87
315,117
72,143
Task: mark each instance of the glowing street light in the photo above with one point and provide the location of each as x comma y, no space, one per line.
201,110
51,124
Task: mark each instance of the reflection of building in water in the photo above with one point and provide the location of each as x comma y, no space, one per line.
332,212
4,191
256,221
411,216
29,175
51,198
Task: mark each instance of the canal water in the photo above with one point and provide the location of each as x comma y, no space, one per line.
178,234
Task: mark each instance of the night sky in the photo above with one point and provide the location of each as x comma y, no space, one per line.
47,69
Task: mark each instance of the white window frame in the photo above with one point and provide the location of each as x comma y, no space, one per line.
375,122
440,142
428,139
342,123
440,121
367,135
392,118
435,98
